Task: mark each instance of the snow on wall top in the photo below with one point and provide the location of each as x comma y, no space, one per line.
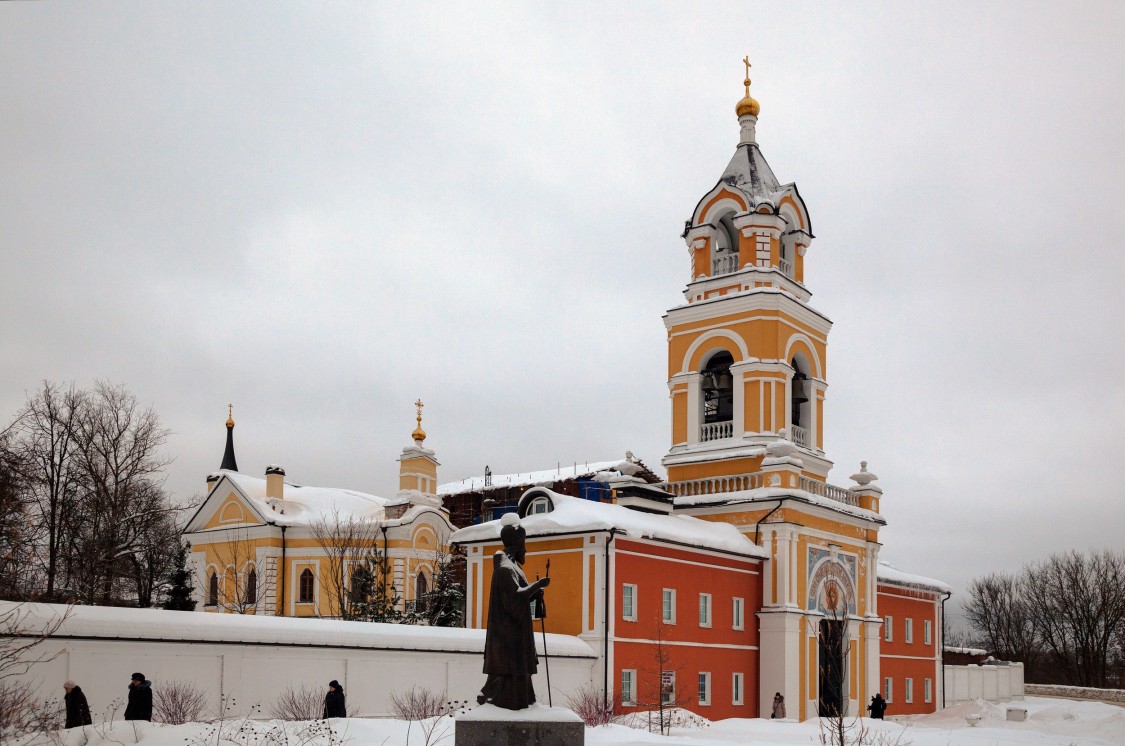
197,626
774,493
304,506
532,478
571,514
888,573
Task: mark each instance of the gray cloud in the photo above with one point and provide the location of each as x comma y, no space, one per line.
323,212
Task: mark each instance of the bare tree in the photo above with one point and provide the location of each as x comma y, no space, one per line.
17,532
22,634
298,703
177,702
662,685
48,443
1000,607
124,501
349,544
1080,611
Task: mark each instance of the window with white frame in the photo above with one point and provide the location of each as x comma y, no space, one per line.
629,602
704,609
736,689
908,633
667,687
888,628
669,606
704,687
888,688
629,686
539,505
927,631
739,609
908,690
928,689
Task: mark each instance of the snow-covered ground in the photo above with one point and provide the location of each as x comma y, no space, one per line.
1049,722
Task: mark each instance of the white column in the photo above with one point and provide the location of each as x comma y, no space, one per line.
779,661
738,425
873,635
783,541
816,392
695,397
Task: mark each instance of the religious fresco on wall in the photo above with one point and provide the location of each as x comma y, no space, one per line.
832,580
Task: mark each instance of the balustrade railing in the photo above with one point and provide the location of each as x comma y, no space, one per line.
715,430
830,491
713,485
799,435
724,265
786,267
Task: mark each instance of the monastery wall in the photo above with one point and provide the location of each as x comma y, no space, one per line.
252,660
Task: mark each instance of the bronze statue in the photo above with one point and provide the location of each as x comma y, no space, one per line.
509,644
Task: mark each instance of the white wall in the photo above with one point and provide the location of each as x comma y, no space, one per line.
1001,683
100,656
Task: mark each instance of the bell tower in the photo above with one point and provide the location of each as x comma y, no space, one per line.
746,351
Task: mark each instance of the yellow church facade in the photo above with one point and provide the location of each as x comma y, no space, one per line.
267,545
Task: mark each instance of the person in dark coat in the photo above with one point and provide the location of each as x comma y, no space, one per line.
140,699
878,706
778,707
509,642
334,701
77,709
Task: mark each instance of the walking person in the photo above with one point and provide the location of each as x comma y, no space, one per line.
334,701
77,709
778,707
140,699
878,706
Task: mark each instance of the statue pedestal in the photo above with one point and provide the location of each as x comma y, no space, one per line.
538,725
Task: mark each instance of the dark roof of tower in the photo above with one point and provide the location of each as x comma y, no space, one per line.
749,171
229,462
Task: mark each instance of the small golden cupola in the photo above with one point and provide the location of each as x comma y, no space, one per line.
417,476
748,106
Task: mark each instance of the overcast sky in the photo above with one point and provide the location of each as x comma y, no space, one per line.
322,212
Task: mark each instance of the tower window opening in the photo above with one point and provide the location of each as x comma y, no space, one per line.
785,262
800,415
718,396
724,258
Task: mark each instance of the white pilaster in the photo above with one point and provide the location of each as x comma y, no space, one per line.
695,398
779,660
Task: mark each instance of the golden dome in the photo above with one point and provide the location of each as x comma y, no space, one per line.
230,415
419,434
748,105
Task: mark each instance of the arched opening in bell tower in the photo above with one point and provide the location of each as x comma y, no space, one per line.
717,387
724,258
800,406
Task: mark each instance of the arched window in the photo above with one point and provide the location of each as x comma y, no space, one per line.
718,387
539,505
252,586
421,589
305,587
724,258
213,590
799,413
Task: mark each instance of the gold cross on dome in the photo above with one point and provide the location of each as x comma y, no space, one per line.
419,404
746,61
230,410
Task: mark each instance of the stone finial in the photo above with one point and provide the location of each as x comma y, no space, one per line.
863,477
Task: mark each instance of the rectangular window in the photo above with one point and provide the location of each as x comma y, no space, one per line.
629,602
908,634
739,605
736,689
669,606
889,628
908,691
704,609
629,686
928,690
927,632
704,688
668,687
888,688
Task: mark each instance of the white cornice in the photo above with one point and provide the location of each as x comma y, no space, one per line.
746,277
748,301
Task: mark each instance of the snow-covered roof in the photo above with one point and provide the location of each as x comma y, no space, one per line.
888,573
749,172
304,506
773,493
197,626
573,514
600,470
